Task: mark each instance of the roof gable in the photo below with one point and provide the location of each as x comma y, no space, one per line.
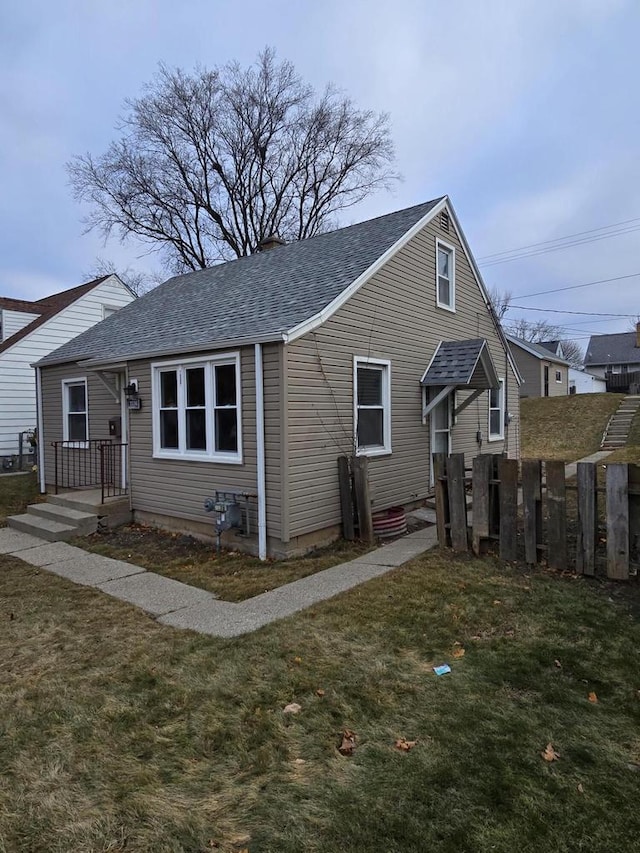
537,350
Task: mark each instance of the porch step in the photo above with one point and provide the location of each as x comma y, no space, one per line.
43,528
112,512
84,522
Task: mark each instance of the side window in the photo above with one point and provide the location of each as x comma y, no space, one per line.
558,376
372,404
75,411
445,276
496,412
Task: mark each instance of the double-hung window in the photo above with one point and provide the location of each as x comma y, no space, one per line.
196,409
75,426
445,276
558,376
372,406
496,412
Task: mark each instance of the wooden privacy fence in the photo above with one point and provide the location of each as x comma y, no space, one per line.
531,516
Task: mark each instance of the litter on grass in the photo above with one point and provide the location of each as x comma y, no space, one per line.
442,670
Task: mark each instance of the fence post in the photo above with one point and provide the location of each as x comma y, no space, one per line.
618,521
587,519
557,509
363,500
634,518
532,508
441,486
482,471
457,502
346,498
508,476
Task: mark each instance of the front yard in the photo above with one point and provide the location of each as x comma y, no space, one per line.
119,734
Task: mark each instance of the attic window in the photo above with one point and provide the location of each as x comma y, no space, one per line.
444,220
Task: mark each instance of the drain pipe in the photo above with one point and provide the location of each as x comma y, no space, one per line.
261,478
39,425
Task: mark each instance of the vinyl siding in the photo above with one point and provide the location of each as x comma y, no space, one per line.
556,389
178,488
394,316
101,407
17,377
529,367
12,321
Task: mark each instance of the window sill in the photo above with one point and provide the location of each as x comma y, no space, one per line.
450,308
496,438
221,459
373,451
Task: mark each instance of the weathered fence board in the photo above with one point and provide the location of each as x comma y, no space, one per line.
442,498
346,498
532,508
587,518
634,518
363,499
508,476
457,502
557,512
618,521
480,498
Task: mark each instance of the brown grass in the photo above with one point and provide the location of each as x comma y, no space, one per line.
566,428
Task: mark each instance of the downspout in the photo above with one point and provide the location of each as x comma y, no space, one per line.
261,477
40,427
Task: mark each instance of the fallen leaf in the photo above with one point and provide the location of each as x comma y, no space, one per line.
458,653
593,698
497,601
320,692
348,743
550,754
558,664
299,761
405,745
580,788
292,708
297,660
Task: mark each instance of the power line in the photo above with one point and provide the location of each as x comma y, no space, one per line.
558,239
576,286
557,311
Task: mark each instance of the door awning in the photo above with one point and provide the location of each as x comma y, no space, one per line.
462,364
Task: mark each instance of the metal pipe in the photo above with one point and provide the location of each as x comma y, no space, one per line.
261,477
39,425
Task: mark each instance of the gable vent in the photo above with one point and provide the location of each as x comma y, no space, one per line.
444,220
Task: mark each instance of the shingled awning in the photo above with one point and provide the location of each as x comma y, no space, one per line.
460,364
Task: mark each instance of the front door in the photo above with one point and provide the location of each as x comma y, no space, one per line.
440,430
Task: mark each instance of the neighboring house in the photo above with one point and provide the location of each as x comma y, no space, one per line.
257,374
582,382
615,358
544,373
31,330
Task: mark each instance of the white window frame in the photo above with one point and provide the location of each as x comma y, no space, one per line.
452,279
181,452
501,409
559,376
66,384
385,367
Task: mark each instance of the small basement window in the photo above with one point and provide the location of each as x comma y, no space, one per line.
372,404
496,412
445,276
75,427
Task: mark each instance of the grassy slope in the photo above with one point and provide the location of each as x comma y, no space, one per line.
565,427
16,492
631,452
121,734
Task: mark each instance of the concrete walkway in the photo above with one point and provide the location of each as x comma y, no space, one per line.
183,606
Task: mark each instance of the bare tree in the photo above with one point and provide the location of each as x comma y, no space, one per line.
210,163
137,281
500,301
633,323
536,331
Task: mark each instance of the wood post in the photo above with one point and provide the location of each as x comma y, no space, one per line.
346,498
457,502
618,521
587,519
442,498
557,509
634,518
482,474
363,499
508,476
532,508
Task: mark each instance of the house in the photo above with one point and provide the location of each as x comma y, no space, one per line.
31,330
545,373
255,375
582,382
616,358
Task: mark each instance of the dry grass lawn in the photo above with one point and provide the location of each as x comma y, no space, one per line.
566,428
118,734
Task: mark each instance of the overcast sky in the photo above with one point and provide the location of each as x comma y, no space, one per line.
525,113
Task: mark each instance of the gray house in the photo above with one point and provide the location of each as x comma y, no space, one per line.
255,375
544,370
616,358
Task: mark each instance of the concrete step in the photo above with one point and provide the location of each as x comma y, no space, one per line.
43,528
85,522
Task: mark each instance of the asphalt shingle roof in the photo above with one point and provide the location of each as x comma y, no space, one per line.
537,349
612,349
255,297
455,363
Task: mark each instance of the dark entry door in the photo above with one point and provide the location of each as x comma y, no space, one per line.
546,381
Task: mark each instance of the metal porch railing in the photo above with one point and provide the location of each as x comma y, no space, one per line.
99,463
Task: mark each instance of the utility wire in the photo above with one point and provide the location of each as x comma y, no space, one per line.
557,311
550,249
576,286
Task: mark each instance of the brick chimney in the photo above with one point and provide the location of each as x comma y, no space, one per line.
638,334
270,242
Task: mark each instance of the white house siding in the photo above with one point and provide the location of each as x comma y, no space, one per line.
17,377
394,316
586,383
12,321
